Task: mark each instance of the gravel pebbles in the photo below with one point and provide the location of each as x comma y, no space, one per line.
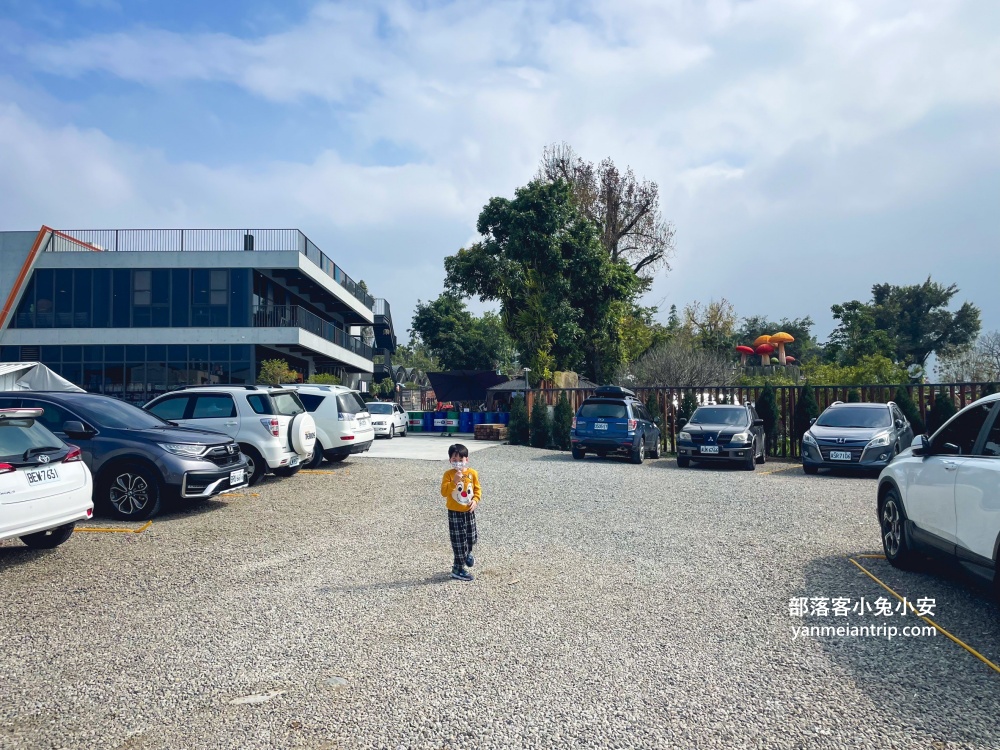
615,606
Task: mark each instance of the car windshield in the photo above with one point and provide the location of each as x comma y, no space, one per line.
105,411
18,436
351,403
719,415
855,416
605,409
379,408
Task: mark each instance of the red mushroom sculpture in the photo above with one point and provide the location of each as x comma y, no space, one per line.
745,351
764,350
789,359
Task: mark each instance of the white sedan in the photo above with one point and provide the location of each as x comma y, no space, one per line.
45,487
388,419
942,494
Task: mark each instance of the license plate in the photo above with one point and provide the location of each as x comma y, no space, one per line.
41,476
840,455
601,426
294,460
237,477
709,449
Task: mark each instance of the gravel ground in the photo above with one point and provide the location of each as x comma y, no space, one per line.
615,606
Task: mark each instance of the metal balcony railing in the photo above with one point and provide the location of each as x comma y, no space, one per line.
293,316
205,240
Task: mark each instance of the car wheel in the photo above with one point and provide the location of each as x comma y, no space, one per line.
578,454
404,431
131,492
391,433
762,458
751,460
892,520
287,471
655,453
50,538
683,462
639,453
337,459
317,457
810,469
255,464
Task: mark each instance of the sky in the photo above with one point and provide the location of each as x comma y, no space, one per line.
804,149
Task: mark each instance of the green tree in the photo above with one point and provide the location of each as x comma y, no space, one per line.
457,339
987,390
517,427
541,425
854,396
909,409
904,323
387,387
767,410
563,299
562,423
806,409
687,406
711,326
942,410
416,354
323,378
276,372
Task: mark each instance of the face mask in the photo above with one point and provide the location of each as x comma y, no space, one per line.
459,464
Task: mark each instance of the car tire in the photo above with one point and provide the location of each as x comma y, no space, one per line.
299,430
404,431
317,457
683,462
287,471
640,452
751,460
391,434
655,453
578,454
892,520
256,466
50,538
810,469
762,458
130,492
337,459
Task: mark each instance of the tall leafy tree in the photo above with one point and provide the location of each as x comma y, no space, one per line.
563,300
458,339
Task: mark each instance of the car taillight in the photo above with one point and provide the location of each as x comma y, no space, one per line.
73,455
6,468
632,424
271,425
574,423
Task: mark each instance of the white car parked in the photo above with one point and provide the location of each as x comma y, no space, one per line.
45,487
269,422
343,424
942,494
388,419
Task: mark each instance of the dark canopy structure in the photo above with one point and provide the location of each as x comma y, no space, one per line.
464,385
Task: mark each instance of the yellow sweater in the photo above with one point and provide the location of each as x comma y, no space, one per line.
461,492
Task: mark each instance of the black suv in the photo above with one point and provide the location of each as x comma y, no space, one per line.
722,432
137,459
614,421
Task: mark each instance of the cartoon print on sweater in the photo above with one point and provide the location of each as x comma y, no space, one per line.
462,494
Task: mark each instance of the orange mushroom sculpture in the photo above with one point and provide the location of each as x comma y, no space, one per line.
780,339
745,351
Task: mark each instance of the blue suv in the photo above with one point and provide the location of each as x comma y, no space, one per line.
614,421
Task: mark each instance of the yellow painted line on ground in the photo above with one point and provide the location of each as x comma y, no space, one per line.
117,531
928,620
870,557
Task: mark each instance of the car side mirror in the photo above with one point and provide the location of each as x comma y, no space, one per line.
76,430
812,421
681,422
899,424
920,446
758,423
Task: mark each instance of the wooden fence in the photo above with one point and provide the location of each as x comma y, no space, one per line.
669,400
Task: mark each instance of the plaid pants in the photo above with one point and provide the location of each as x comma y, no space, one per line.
462,530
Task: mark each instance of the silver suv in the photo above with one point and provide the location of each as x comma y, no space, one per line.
270,423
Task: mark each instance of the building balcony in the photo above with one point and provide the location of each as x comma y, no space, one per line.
292,316
385,335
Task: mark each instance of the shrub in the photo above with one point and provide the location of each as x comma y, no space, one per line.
518,426
854,396
942,410
688,404
806,409
910,410
323,378
541,425
562,423
988,390
767,410
276,372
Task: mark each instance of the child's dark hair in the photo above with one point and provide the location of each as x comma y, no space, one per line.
457,449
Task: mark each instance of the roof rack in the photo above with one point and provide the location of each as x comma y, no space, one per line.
218,385
21,413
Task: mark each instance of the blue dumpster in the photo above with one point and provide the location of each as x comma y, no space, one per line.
428,421
504,417
440,417
465,421
477,418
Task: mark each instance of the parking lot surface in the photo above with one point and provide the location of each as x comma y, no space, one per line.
614,606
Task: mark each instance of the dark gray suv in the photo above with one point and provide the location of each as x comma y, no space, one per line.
137,459
855,435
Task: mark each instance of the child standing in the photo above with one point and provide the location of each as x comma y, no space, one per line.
460,487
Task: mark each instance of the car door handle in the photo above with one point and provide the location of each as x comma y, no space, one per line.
949,465
231,424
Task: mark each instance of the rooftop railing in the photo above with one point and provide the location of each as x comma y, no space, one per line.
206,240
293,316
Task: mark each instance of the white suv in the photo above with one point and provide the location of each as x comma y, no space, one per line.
388,418
269,422
343,424
45,487
942,494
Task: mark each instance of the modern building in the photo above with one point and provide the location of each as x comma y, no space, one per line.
133,313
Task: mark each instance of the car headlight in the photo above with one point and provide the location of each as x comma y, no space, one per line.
185,449
879,440
808,439
684,436
740,437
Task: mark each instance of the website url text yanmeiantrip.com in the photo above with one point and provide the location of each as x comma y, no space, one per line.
862,631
